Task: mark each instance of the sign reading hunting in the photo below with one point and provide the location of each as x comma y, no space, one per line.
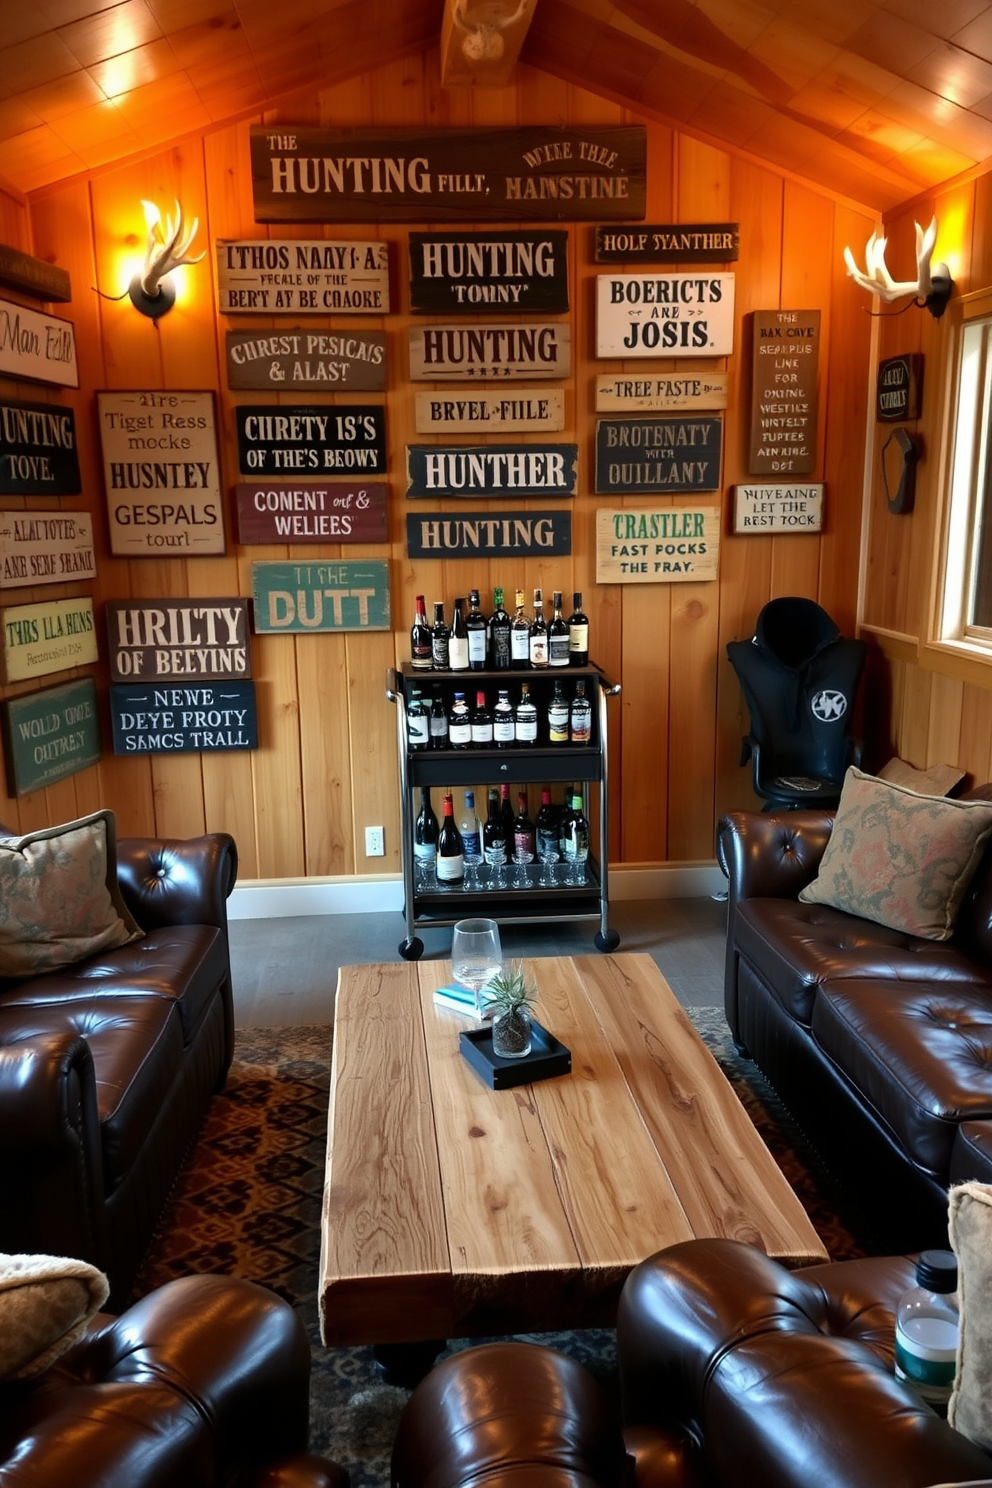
38,455
494,271
492,470
311,440
490,353
512,534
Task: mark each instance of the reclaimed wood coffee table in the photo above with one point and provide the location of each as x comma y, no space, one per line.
453,1210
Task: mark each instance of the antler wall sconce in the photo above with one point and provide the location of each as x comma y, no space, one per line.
482,40
932,286
152,291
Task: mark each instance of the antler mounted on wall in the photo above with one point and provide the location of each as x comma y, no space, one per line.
151,291
481,39
932,286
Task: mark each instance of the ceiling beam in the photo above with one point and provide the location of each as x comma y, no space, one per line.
481,40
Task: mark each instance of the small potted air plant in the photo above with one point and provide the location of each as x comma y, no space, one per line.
508,1000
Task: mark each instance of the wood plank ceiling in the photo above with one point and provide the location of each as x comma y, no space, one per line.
875,101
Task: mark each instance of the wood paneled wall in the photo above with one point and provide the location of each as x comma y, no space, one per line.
327,762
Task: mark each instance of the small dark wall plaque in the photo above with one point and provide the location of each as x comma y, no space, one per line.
299,598
492,470
499,272
900,388
33,276
462,353
49,735
311,512
311,440
38,453
184,638
307,361
785,357
900,456
511,534
171,719
669,242
657,455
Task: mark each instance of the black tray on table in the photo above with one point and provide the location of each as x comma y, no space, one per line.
547,1057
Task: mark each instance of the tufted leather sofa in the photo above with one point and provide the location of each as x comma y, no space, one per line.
107,1066
879,1043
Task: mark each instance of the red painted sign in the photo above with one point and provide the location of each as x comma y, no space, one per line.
311,512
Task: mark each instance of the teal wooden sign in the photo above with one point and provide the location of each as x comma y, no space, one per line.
49,735
299,598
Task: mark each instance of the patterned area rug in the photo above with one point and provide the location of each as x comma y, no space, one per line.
248,1204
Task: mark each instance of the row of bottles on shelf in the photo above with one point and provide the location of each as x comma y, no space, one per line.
504,726
499,642
558,834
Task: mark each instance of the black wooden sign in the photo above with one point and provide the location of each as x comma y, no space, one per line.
492,469
184,638
33,276
171,719
665,454
511,534
669,242
900,388
38,454
489,271
301,440
317,174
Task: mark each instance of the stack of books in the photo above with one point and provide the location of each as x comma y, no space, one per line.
459,999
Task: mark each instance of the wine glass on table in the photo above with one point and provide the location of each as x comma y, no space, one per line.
476,956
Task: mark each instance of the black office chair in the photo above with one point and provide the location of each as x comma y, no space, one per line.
799,677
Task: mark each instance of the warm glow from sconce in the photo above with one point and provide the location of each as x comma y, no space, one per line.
952,231
931,289
152,288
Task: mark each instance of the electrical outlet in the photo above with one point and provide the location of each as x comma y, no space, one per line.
374,844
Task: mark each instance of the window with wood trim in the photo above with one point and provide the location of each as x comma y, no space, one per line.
966,599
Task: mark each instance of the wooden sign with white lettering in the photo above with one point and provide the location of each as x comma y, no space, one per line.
494,271
638,456
664,315
674,545
311,173
41,548
298,598
657,392
302,276
47,637
311,512
33,276
169,719
669,242
161,472
40,347
785,357
511,534
38,455
311,361
184,638
50,735
762,509
492,470
526,410
490,353
311,440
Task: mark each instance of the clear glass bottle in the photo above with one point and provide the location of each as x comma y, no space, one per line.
538,639
575,833
420,638
468,825
578,633
475,627
459,723
520,636
504,726
580,715
440,636
458,640
525,718
499,635
927,1328
450,847
438,720
558,715
557,636
481,723
417,721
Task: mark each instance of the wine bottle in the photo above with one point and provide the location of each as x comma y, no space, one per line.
458,641
558,636
439,719
417,721
578,634
580,715
450,847
499,635
504,729
524,835
520,636
420,638
493,832
459,723
525,718
538,638
425,828
506,819
481,723
468,825
475,627
546,827
575,832
440,636
558,715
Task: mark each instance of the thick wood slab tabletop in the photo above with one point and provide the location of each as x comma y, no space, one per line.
452,1210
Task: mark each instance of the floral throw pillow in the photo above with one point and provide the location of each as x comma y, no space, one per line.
899,858
59,899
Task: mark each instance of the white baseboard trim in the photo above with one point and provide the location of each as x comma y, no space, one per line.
279,898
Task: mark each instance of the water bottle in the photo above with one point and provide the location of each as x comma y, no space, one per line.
927,1326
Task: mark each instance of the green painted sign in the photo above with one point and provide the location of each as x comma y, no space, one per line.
49,735
298,598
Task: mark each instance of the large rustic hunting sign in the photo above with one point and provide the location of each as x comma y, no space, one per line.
311,440
311,512
678,544
36,639
494,271
661,315
785,354
654,393
49,735
39,347
33,276
270,277
297,598
315,174
762,509
492,470
511,534
525,410
490,353
669,242
38,454
309,361
159,638
45,548
167,719
664,454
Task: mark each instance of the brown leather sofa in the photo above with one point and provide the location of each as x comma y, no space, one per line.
878,1042
107,1067
202,1384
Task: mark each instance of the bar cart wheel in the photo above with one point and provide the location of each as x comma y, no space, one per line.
411,949
606,940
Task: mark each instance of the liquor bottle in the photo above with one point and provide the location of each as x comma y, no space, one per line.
506,819
425,828
538,639
458,643
438,720
575,832
475,625
440,635
459,724
504,728
499,635
580,715
578,634
493,833
468,825
481,723
420,638
417,721
525,719
524,835
546,827
558,715
520,636
558,636
450,847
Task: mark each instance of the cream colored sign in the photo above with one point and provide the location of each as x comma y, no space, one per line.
657,545
503,413
47,637
617,394
45,548
664,315
760,508
265,276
